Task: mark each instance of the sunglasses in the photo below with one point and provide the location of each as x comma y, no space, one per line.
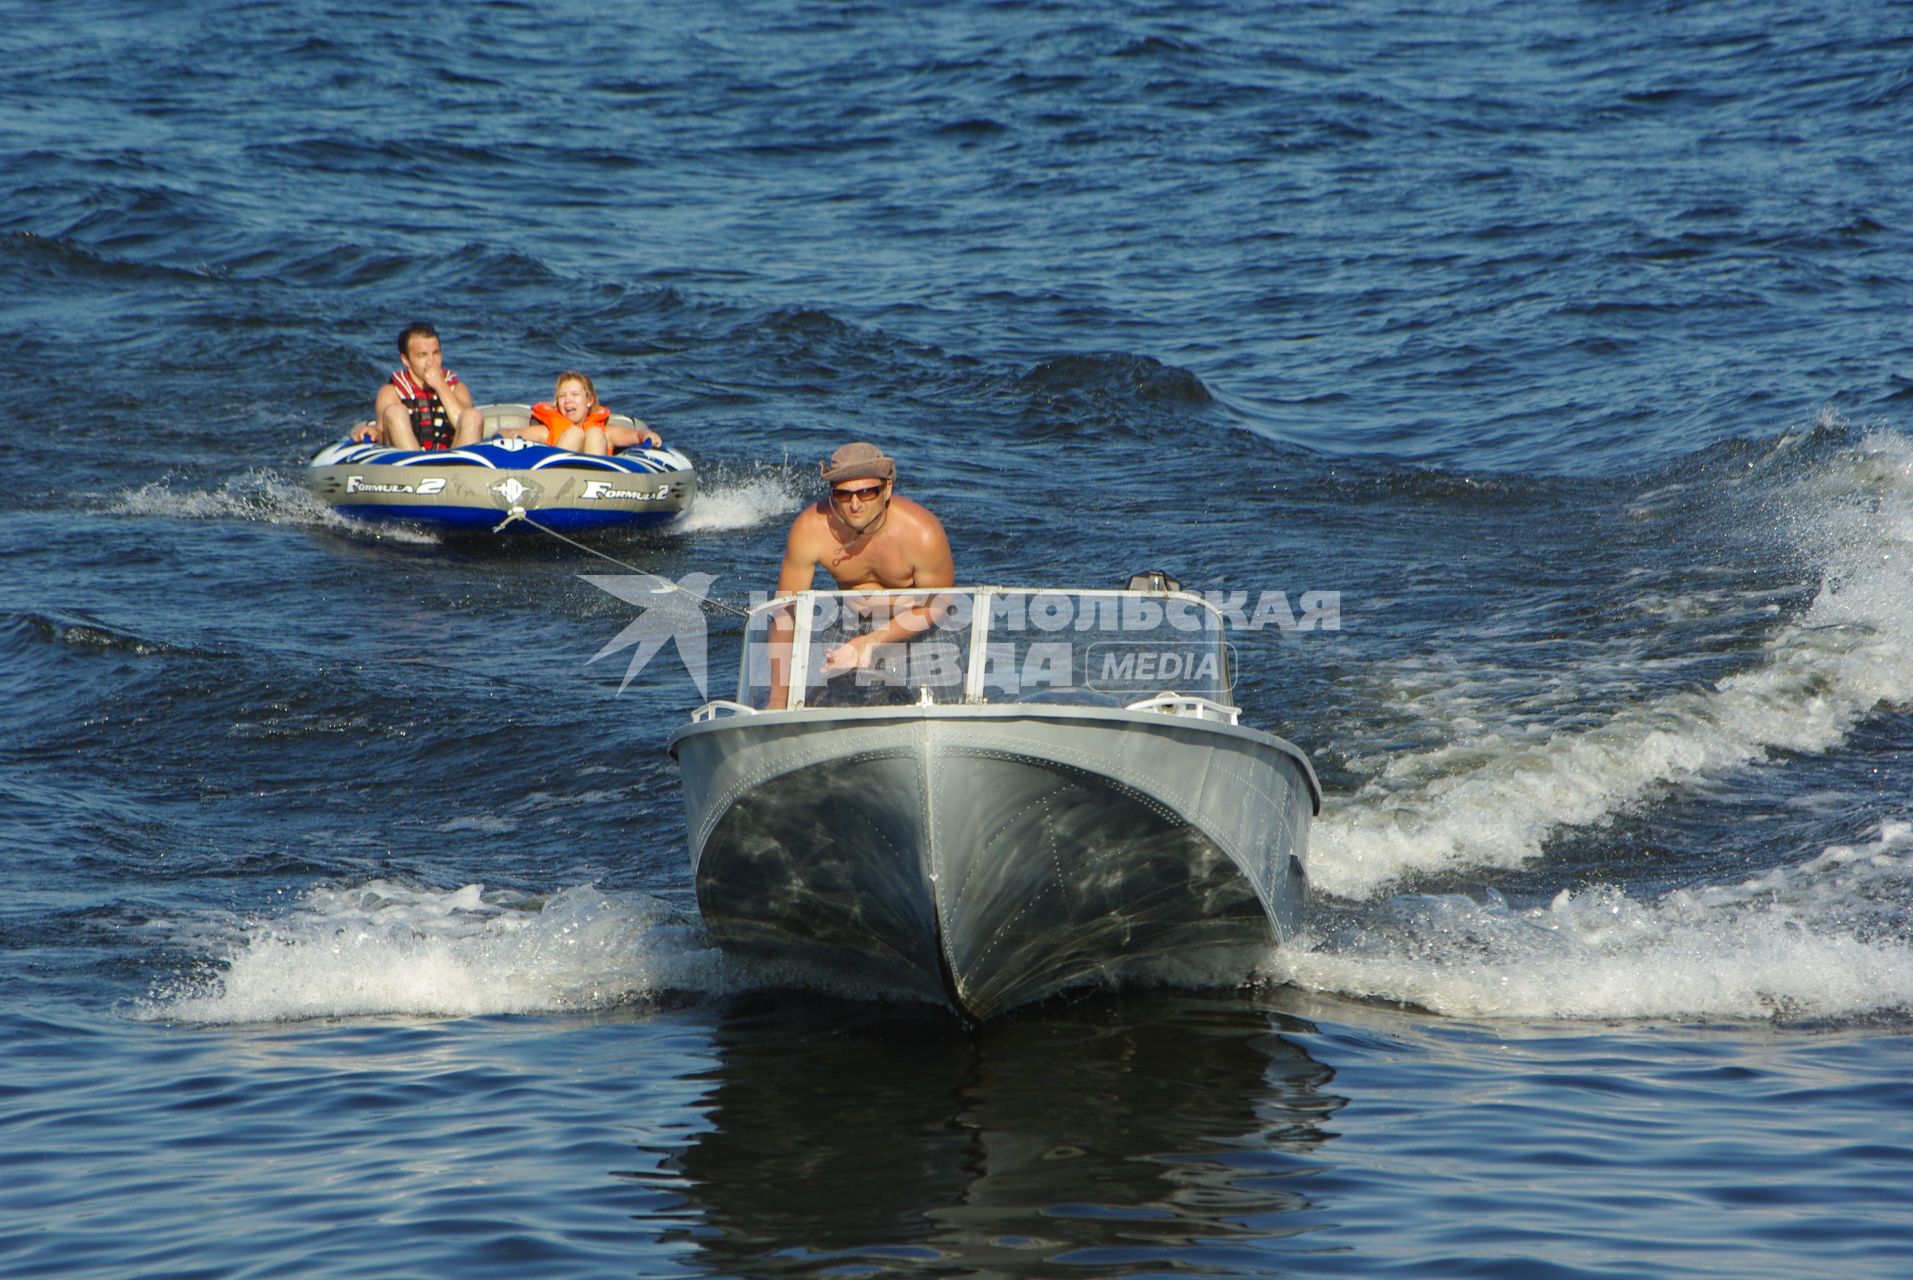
857,495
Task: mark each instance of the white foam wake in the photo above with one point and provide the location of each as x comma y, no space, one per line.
1821,941
258,495
383,948
1493,801
727,503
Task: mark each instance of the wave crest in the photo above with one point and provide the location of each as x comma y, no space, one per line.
386,948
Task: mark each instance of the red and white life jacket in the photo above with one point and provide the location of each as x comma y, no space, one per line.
431,422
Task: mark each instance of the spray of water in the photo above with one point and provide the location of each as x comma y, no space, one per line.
727,502
382,948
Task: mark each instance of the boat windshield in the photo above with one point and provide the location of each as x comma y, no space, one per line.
983,645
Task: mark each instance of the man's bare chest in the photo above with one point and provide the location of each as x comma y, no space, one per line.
877,563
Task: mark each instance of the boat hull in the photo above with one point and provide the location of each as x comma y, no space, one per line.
987,856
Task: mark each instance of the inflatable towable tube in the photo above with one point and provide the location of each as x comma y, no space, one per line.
479,487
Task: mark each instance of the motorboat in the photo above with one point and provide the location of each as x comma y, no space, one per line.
1042,790
505,484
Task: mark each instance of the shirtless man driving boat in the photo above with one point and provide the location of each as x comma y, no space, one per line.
423,405
868,539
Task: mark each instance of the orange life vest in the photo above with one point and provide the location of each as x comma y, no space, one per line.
556,424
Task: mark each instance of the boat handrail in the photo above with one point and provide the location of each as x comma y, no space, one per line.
970,629
716,706
1183,704
982,591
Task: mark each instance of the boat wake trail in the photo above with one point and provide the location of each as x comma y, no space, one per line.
1820,935
385,948
1812,681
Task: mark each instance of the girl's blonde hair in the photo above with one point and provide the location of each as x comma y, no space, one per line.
572,375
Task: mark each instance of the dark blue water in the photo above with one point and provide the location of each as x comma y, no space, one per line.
345,920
